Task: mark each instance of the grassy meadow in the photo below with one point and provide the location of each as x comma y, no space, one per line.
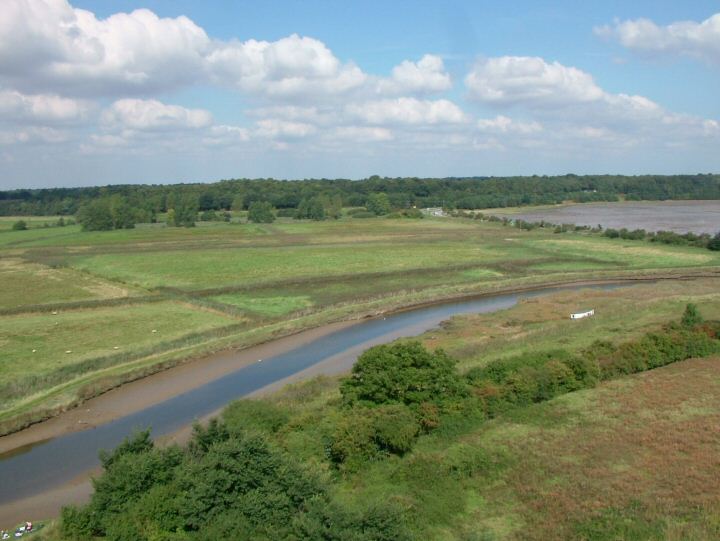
633,459
222,284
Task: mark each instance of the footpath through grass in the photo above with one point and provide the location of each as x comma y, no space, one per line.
262,281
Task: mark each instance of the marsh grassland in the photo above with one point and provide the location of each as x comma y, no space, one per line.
634,458
83,311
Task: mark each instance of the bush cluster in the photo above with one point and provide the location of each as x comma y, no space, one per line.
225,484
540,376
394,393
231,482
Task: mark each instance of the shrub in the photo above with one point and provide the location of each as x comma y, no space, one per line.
402,373
261,212
691,317
258,415
352,442
378,203
208,216
20,225
714,243
366,434
245,474
395,428
331,522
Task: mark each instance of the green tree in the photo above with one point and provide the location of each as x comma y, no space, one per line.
95,215
185,211
238,202
378,203
714,243
122,213
20,225
691,316
261,212
311,209
402,373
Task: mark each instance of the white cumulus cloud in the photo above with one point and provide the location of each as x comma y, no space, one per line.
138,114
504,124
687,38
50,44
427,75
291,66
507,80
40,107
362,133
407,111
274,128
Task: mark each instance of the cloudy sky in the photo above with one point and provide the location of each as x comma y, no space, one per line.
124,91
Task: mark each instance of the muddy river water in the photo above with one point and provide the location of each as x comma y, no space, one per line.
46,465
677,216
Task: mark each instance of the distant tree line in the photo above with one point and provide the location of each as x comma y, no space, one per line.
305,197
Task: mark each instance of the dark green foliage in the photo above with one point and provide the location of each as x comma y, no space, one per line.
323,522
412,213
95,216
461,193
369,434
310,209
261,212
205,437
611,233
287,213
231,482
108,213
402,373
691,317
122,213
20,225
533,377
128,479
76,523
138,443
539,376
185,209
208,216
363,214
378,203
653,350
255,415
245,475
226,485
714,243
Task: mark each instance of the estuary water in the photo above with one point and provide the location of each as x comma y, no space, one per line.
677,216
45,465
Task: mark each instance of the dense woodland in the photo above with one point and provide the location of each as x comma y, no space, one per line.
460,193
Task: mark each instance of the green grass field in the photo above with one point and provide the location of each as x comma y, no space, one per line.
284,276
634,459
27,283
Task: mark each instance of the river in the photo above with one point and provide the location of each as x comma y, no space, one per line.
46,465
677,216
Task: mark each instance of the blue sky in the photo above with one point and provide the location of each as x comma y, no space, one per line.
97,92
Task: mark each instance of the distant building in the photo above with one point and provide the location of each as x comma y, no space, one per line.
580,315
434,211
